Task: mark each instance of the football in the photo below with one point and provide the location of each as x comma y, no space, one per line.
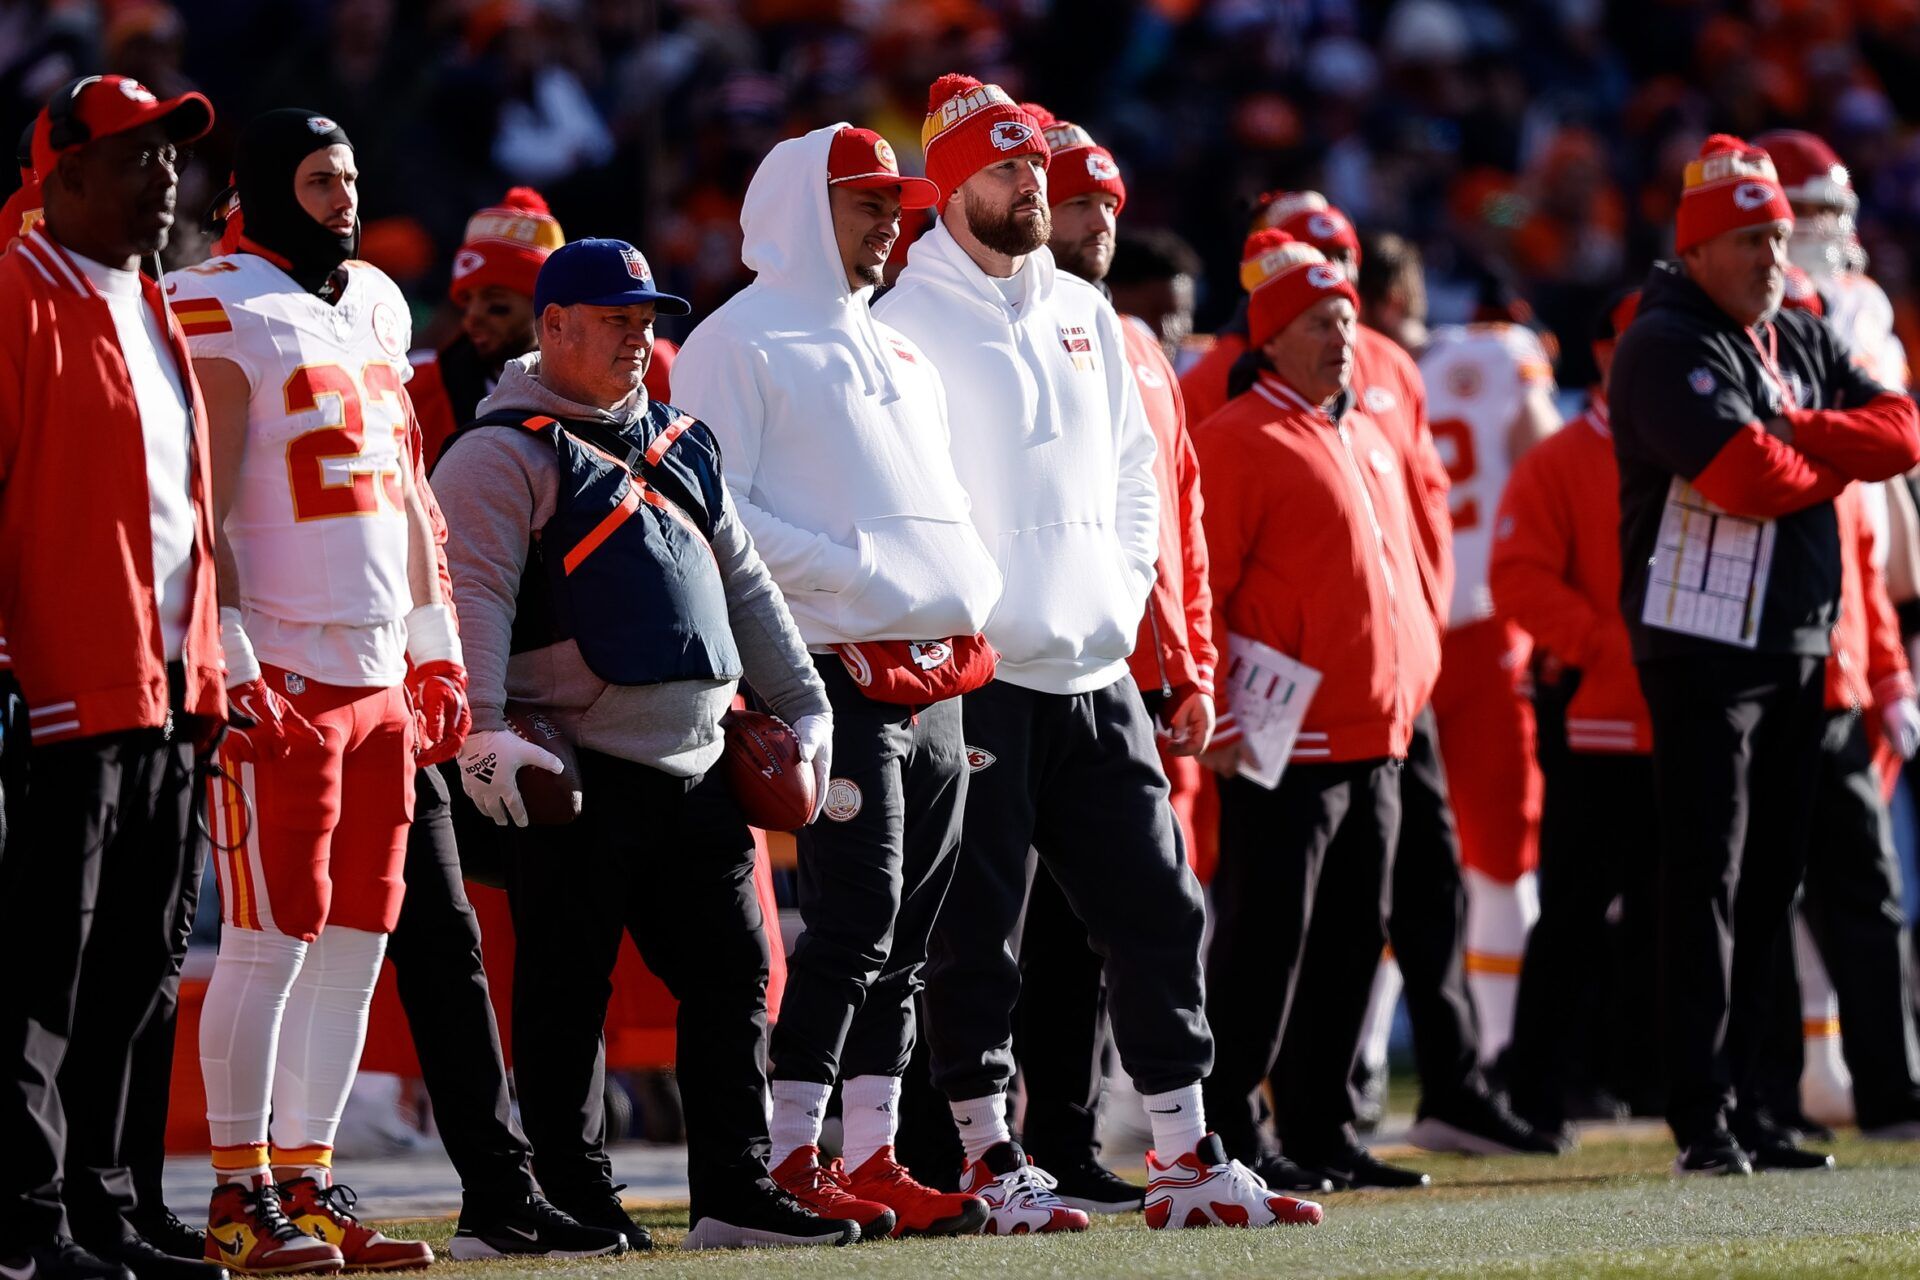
773,786
552,799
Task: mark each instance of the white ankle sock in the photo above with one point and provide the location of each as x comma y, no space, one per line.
798,1108
1178,1119
982,1123
870,1110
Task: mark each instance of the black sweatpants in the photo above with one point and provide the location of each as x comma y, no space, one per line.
90,888
150,1082
442,981
1736,759
871,885
1300,901
1598,841
1852,906
670,863
1075,778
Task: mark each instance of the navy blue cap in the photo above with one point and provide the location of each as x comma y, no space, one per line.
600,273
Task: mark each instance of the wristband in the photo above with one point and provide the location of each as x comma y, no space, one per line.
236,650
431,637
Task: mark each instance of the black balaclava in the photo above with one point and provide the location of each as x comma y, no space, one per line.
271,149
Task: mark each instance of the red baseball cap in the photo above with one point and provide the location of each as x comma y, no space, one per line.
94,107
862,158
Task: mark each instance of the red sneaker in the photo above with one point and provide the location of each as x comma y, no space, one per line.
922,1210
248,1234
1205,1189
1019,1194
823,1189
327,1212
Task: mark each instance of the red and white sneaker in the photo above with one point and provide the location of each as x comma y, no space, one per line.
327,1213
922,1210
1019,1194
1205,1189
248,1234
823,1189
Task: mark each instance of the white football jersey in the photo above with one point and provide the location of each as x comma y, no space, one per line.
1477,377
1859,311
318,524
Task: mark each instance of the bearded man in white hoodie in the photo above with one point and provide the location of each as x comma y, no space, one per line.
833,432
1054,448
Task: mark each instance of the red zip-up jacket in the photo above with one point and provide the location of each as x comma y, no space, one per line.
1310,534
76,533
1868,667
1392,390
1204,384
1556,571
1175,646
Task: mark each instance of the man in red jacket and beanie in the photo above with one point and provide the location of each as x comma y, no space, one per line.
125,686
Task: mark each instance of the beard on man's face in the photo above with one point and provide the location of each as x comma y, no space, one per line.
1005,230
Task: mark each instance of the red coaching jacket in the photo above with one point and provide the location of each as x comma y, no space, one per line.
1868,667
1175,646
1204,384
1313,552
76,542
1556,571
1392,390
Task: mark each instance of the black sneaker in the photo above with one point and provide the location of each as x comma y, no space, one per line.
532,1228
762,1216
1282,1174
1715,1156
61,1260
148,1261
1776,1153
163,1227
605,1212
1357,1168
1476,1123
1088,1185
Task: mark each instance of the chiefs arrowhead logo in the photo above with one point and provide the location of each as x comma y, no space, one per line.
1009,134
978,759
929,654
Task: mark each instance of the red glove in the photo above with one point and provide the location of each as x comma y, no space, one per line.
437,692
265,722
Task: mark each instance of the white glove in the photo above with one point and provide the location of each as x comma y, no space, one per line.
1900,719
490,765
816,746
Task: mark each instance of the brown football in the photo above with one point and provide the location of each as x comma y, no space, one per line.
552,799
772,785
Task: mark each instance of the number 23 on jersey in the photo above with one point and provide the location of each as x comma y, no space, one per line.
322,487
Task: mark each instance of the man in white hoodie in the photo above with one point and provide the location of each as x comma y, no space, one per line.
1054,448
833,435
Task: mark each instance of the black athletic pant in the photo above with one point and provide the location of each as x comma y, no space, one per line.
1852,906
1427,925
669,862
1300,902
1076,778
871,885
1598,841
90,888
150,1084
1736,759
442,981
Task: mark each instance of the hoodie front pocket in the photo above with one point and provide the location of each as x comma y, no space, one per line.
1068,596
921,578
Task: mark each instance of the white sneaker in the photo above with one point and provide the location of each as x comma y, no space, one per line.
1205,1189
1019,1194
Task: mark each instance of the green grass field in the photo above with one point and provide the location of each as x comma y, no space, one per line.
1609,1210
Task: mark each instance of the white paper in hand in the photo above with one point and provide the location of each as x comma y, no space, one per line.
1269,693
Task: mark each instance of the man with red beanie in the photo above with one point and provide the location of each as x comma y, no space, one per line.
1054,449
1735,425
1059,1032
493,277
1313,551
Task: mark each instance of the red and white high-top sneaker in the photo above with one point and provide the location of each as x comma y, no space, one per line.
1205,1189
1019,1194
922,1210
823,1189
327,1212
248,1233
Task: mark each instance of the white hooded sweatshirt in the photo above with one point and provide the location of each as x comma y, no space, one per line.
1053,446
833,431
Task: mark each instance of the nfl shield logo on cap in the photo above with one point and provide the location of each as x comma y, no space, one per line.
636,265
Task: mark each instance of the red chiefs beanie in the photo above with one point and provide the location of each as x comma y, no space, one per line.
505,245
969,126
1078,164
1326,229
1283,277
1730,185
